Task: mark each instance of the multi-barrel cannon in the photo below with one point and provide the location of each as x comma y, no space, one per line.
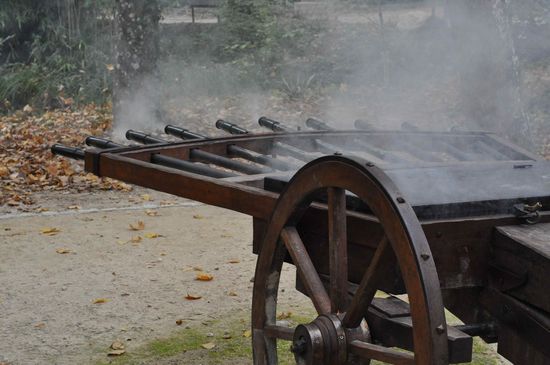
387,229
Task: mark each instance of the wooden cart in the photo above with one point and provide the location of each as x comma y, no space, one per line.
454,221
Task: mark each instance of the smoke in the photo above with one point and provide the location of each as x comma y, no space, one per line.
466,64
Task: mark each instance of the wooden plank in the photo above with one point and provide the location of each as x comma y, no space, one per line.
521,263
240,198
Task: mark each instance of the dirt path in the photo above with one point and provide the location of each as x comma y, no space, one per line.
47,296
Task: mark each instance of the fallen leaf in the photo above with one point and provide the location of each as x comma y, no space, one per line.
198,216
110,67
233,261
204,277
74,207
116,352
50,231
40,325
179,322
117,345
100,301
4,171
232,294
63,251
226,336
146,197
136,239
139,226
208,345
152,235
284,315
152,213
247,333
192,297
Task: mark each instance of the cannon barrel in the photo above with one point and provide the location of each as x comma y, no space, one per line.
182,133
273,125
71,152
144,138
232,149
165,160
205,156
230,127
101,143
364,125
318,125
188,166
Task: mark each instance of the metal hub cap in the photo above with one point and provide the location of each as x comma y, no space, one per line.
323,341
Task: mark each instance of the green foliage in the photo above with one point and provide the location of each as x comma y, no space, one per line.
50,49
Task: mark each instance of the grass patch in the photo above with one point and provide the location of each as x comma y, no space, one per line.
233,346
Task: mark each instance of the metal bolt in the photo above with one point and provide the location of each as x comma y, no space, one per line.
298,347
425,256
400,200
440,329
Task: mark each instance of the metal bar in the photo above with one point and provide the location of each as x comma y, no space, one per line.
195,168
232,149
182,133
230,127
197,154
143,137
364,147
101,143
318,125
273,125
163,160
71,152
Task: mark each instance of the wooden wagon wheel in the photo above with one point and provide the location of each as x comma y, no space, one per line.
339,335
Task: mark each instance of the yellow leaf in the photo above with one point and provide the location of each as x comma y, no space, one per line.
117,345
116,352
204,277
4,171
208,345
232,294
100,301
284,315
135,239
110,67
50,231
139,226
74,207
152,213
152,235
234,261
192,297
247,333
146,197
198,216
63,251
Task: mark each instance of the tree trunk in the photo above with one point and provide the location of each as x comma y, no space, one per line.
136,86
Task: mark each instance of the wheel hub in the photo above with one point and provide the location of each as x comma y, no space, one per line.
324,341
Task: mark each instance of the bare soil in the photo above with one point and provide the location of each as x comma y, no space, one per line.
50,286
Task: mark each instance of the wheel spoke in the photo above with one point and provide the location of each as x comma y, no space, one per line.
378,269
280,332
313,284
338,252
387,355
